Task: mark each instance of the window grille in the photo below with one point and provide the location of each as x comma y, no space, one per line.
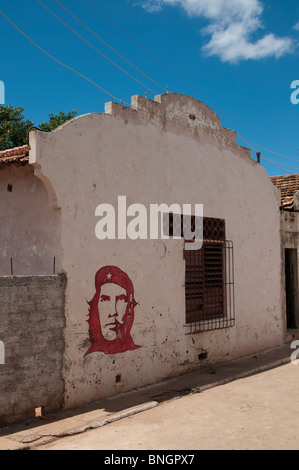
209,286
209,275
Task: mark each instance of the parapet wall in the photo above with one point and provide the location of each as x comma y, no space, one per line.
182,115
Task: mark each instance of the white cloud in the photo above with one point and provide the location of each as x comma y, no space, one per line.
296,26
152,6
231,26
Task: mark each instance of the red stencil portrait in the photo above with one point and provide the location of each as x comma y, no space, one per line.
111,312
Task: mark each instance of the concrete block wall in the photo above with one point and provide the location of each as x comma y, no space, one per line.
32,325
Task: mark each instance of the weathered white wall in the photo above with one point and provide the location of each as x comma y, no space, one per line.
29,227
171,150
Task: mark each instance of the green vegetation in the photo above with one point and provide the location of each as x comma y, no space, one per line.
14,127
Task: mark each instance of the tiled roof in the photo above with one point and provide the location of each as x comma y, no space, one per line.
15,155
288,185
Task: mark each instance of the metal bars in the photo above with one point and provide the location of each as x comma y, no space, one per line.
209,286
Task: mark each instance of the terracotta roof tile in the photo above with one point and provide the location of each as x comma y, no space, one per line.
288,185
16,154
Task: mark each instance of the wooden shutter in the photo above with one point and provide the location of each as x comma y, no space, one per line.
205,274
214,279
194,285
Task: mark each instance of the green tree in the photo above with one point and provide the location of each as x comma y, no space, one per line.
56,120
13,127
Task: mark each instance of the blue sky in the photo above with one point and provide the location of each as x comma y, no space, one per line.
240,57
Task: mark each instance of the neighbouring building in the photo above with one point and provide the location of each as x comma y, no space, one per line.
133,308
289,188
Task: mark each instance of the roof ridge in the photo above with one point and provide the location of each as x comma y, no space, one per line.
15,151
15,155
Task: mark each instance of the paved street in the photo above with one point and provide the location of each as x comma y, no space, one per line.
256,412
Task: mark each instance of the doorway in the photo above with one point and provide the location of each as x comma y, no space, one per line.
291,286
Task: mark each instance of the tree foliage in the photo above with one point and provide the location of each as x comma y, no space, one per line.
14,127
56,120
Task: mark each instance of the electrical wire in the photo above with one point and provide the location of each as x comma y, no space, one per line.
133,39
257,147
58,61
280,165
270,151
121,101
110,47
187,83
91,45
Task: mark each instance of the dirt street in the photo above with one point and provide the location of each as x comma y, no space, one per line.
257,412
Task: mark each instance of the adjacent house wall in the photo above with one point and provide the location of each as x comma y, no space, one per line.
29,227
290,241
173,150
290,229
32,322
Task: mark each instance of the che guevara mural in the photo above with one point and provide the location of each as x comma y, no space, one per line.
111,312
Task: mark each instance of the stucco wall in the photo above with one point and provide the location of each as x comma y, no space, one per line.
29,227
290,229
32,323
170,150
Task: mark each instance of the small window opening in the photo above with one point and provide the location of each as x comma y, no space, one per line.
39,411
202,356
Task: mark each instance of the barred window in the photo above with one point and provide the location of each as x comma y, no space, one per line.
209,284
209,276
204,284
